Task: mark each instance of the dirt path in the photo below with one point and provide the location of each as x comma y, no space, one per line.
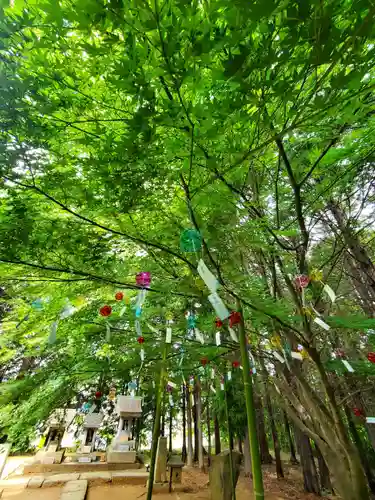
195,485
41,494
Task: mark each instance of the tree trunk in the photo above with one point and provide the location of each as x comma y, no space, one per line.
239,444
199,425
162,428
325,480
170,429
275,437
246,455
189,428
231,442
362,267
293,458
196,436
361,449
217,436
310,475
208,427
184,451
265,455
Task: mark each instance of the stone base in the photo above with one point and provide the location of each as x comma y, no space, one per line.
84,457
121,457
72,467
164,488
49,457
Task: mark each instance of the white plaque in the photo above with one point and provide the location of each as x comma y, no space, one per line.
219,306
207,276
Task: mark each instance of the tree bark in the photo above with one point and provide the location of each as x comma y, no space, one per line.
275,437
265,455
184,451
170,429
199,425
239,444
208,427
196,436
324,476
362,267
189,428
246,455
162,428
293,458
361,449
217,436
310,475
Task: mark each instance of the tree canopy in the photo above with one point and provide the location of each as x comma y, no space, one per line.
126,123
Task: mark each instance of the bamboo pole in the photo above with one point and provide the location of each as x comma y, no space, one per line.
250,410
232,476
156,429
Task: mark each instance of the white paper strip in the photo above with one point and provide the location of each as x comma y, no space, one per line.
219,306
207,276
53,332
278,357
199,336
168,336
138,328
229,376
172,384
142,354
213,389
122,312
92,409
331,294
347,365
370,420
152,328
218,338
67,311
108,333
252,360
297,355
221,386
212,373
321,323
140,298
171,403
233,334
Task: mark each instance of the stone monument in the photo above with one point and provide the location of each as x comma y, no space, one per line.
161,461
86,452
58,423
122,448
220,475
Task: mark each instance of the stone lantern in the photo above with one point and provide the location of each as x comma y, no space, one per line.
122,449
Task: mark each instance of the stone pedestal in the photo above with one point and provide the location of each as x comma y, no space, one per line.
48,457
161,461
220,475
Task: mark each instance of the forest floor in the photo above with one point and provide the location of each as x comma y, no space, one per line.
195,484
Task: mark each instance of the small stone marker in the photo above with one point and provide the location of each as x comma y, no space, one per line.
161,461
220,475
